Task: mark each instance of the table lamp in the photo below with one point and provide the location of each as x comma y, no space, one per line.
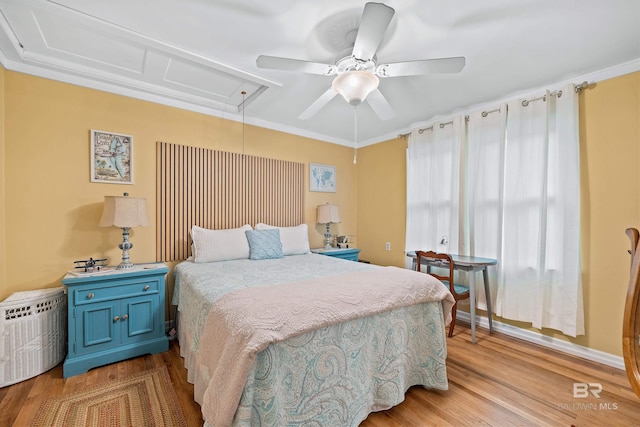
124,212
327,214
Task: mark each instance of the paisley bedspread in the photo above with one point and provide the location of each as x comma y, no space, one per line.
334,375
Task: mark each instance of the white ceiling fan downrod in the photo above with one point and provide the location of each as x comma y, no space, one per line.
355,134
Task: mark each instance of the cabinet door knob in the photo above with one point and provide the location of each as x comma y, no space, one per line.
115,319
125,317
91,295
146,288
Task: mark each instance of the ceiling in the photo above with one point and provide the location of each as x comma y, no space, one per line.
201,54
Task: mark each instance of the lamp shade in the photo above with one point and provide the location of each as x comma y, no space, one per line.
327,214
124,212
354,86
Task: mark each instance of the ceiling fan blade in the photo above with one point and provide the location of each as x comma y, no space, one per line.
288,64
318,104
425,66
373,24
380,105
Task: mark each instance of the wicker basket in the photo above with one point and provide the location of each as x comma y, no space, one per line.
33,327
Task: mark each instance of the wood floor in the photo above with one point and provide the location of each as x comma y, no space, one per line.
500,381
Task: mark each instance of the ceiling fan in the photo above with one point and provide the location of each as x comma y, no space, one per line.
357,72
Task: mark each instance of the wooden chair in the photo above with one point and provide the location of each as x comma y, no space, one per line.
459,292
631,321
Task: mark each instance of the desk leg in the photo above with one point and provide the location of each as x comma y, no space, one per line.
472,304
487,294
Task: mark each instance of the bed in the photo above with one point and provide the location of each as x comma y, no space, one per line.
307,339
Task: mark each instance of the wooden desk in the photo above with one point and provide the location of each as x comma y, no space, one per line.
473,265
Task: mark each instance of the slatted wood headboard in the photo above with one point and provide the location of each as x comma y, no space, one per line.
217,190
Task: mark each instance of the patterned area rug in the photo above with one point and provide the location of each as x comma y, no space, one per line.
144,399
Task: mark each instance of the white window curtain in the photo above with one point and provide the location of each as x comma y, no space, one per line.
484,189
433,187
519,182
539,277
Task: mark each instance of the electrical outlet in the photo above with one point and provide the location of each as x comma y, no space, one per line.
387,246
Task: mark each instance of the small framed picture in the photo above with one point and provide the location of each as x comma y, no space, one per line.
111,157
322,178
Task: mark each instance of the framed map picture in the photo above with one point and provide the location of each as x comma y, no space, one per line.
322,178
111,157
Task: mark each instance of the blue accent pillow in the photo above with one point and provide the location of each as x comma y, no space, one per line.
264,244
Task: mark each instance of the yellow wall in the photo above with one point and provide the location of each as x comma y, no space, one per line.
610,166
3,260
381,202
52,208
610,180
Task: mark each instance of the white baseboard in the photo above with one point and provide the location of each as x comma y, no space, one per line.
546,341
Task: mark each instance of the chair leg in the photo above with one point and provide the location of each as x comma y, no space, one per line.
453,318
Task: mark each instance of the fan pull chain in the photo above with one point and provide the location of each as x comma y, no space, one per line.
243,93
355,134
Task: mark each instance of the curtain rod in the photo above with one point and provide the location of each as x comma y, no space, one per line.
525,102
486,113
584,85
442,125
450,122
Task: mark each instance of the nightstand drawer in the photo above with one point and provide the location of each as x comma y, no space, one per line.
93,294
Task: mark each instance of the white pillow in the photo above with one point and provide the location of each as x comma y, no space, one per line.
295,240
219,245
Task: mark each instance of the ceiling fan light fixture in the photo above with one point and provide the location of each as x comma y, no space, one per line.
354,86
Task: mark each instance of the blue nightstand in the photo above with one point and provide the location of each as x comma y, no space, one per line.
114,316
350,254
